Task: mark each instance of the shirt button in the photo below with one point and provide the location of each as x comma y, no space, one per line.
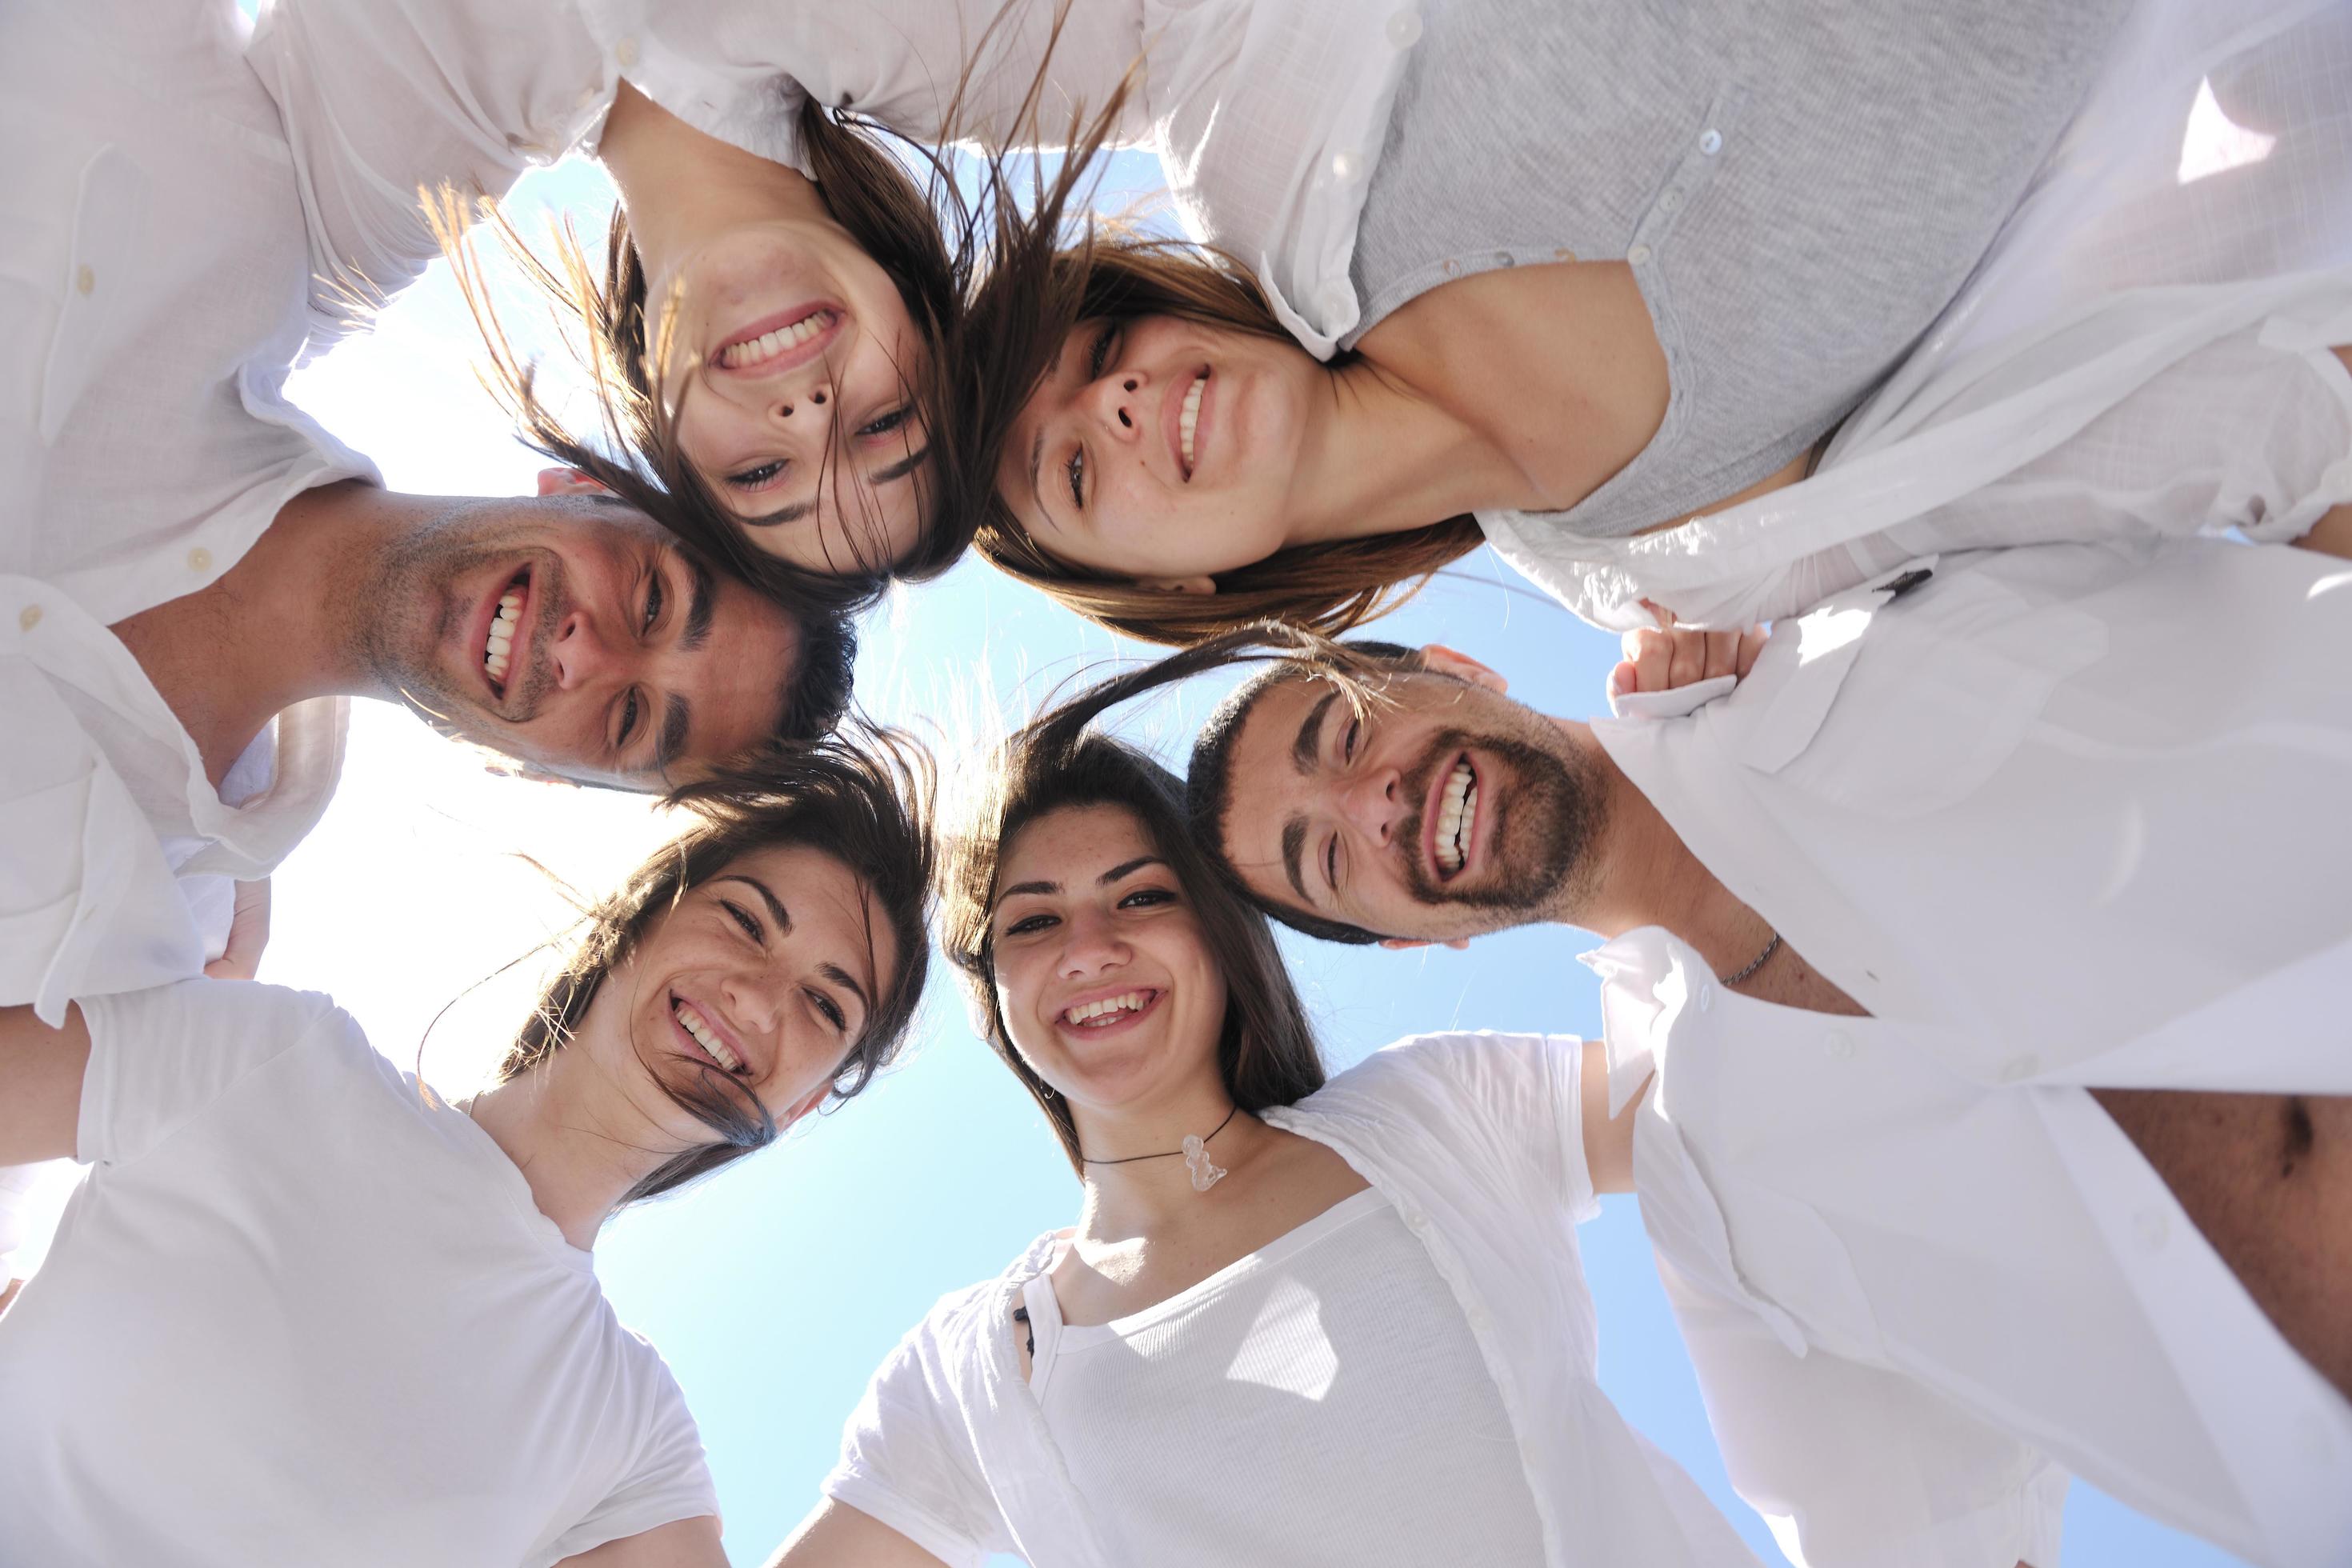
1404,28
2152,1228
626,51
1338,298
200,559
2017,1069
1345,166
1417,1222
1639,255
84,280
1710,142
1837,1044
29,616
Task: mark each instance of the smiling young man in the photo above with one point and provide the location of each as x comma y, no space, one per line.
1983,952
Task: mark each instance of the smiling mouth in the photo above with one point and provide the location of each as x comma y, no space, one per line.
1105,1011
497,645
1458,816
698,1029
762,350
1188,421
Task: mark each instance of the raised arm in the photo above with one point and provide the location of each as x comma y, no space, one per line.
40,1085
835,1535
682,1544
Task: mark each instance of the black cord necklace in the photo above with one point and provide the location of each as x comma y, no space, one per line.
1195,1152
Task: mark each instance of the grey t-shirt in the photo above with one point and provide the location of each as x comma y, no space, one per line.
1800,187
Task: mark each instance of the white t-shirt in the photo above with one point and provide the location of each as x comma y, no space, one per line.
1331,1367
300,1315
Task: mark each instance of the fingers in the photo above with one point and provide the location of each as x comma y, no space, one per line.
1652,654
248,933
1663,659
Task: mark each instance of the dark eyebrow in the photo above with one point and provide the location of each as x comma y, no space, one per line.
775,910
1294,839
1128,869
801,509
673,733
1005,893
840,976
1304,749
700,603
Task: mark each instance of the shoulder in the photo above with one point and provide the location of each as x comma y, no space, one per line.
1451,1072
961,1326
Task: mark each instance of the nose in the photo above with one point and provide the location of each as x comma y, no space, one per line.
753,1000
1115,402
579,652
1374,804
1089,946
804,404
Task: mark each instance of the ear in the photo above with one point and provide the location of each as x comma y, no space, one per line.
1437,655
1177,584
568,483
1406,944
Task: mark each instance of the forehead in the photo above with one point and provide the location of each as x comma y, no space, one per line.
1074,842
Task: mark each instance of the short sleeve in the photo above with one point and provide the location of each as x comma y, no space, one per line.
906,1460
1859,1467
668,1479
1514,1098
159,1059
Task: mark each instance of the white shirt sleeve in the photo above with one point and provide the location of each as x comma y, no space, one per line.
906,1460
1519,1096
1856,1467
382,97
667,1480
159,1059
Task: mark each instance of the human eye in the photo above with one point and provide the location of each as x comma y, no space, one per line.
1099,354
1029,925
630,711
654,595
829,1009
760,477
1076,471
1148,897
1331,863
746,918
888,422
1348,742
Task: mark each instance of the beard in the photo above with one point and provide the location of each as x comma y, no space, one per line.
416,608
1547,818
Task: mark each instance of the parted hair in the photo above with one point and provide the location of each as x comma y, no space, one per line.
864,800
1108,274
1266,1052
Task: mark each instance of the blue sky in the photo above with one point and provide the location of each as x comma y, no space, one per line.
775,1290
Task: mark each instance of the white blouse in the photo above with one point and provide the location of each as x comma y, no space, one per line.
2142,354
1475,1140
2061,816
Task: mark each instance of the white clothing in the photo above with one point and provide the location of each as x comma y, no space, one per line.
2162,251
302,1312
1330,1364
2060,816
1476,1141
1267,115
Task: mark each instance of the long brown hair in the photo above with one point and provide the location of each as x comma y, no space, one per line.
866,802
1266,1048
952,256
1112,276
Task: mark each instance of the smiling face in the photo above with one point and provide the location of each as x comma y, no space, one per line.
791,364
1104,979
762,977
577,636
1159,450
1445,811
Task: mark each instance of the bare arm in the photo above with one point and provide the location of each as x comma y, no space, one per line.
40,1085
682,1544
2332,534
835,1535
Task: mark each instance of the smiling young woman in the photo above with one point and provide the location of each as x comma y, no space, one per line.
1269,1335
373,1299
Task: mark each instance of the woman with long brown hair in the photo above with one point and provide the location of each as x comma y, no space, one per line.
1297,1321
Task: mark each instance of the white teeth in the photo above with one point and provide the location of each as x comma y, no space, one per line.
704,1035
1190,419
769,344
500,646
1130,1002
1457,812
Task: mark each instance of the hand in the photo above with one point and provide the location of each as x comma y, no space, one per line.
248,933
1665,658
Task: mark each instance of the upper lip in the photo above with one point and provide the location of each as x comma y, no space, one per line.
1171,419
1431,809
720,1025
792,358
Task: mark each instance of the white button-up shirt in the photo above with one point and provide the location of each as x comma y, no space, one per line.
1477,1141
2155,265
1267,115
2061,816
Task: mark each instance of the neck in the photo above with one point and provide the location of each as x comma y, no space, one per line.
1143,1197
682,189
578,1171
1379,457
279,626
1643,874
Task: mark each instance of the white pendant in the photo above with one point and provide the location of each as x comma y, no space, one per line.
1206,1172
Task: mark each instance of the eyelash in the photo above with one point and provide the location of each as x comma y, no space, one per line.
760,477
1076,468
1142,898
888,422
829,1009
